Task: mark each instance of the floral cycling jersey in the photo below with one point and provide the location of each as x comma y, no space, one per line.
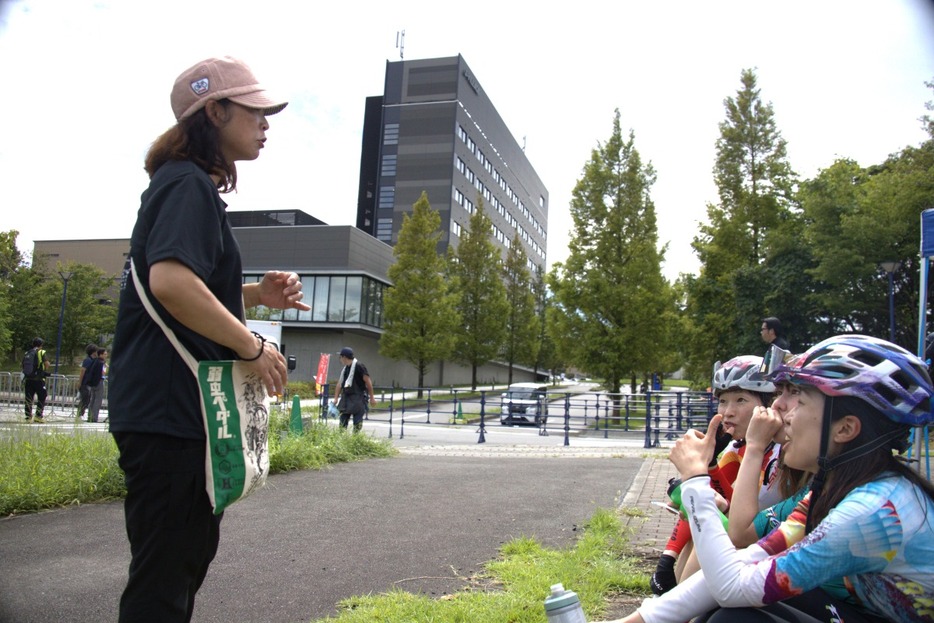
879,539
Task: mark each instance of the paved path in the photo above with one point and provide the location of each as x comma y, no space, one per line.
422,522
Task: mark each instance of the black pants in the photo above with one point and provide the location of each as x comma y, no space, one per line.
84,399
357,421
35,392
171,527
816,606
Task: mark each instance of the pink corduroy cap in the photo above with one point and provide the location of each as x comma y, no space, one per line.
217,79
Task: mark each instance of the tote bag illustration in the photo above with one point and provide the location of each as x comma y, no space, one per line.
235,409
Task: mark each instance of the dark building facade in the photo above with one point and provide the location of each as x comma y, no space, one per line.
435,130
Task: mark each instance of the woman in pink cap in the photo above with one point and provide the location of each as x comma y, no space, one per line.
188,265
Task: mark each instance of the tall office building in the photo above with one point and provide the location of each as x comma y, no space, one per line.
435,130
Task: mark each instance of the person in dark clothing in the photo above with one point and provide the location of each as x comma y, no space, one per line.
187,261
771,332
34,383
95,384
84,394
354,390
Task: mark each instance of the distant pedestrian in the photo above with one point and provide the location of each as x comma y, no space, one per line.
35,369
771,333
354,390
84,394
96,384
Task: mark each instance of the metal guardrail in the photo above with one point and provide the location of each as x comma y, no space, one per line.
62,393
654,413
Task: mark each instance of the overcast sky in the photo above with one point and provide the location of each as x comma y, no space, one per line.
86,90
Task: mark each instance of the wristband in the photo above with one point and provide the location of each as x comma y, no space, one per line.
262,347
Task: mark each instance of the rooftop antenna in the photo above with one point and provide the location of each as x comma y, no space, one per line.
400,43
523,143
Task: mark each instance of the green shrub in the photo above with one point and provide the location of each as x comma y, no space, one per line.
47,468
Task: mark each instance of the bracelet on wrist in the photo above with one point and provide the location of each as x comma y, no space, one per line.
262,347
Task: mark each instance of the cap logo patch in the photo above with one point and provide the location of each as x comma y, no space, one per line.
200,87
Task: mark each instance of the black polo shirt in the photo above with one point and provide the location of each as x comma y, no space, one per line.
181,217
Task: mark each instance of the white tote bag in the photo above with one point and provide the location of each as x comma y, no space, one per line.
235,409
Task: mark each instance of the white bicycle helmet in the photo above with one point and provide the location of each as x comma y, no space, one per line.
743,372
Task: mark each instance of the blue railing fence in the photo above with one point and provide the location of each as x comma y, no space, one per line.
656,415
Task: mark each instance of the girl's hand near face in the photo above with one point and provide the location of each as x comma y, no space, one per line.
764,426
693,452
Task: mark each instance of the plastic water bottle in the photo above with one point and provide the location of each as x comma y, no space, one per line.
563,606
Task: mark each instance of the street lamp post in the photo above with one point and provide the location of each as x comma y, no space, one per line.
61,316
890,267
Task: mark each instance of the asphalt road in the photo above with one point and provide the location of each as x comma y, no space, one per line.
418,522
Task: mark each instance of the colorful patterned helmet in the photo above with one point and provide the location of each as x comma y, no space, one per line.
885,375
741,372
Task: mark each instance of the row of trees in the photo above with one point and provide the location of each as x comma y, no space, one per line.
471,306
808,251
31,304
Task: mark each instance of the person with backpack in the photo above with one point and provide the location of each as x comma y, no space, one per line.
35,369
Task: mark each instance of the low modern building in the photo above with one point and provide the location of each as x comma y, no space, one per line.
344,276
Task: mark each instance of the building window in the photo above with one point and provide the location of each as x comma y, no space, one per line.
353,298
333,298
387,197
389,165
384,230
391,134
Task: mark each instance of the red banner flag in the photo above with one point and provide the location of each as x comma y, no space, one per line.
321,378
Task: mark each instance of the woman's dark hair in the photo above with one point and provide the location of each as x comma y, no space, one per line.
866,467
196,139
790,480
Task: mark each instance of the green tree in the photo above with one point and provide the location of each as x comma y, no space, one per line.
755,182
475,268
419,309
857,219
11,262
547,353
89,314
522,323
610,296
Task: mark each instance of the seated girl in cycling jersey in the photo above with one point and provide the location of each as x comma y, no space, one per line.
868,519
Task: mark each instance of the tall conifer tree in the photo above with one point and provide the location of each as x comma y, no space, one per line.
419,307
